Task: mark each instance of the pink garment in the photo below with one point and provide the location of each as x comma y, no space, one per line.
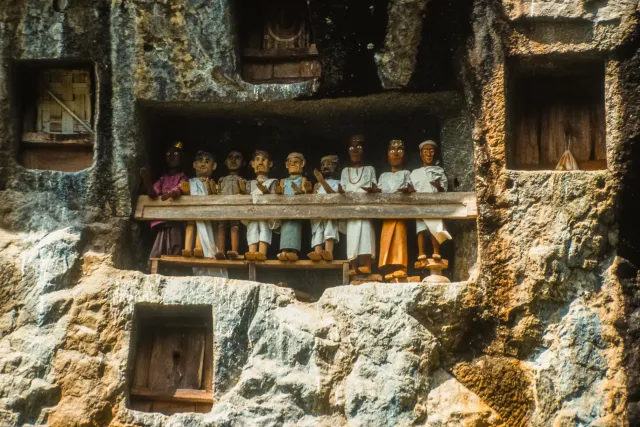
166,184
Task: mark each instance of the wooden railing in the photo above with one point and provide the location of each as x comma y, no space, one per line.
309,206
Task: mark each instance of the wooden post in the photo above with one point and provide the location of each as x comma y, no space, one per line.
154,266
345,274
252,271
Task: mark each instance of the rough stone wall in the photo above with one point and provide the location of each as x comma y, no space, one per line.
545,334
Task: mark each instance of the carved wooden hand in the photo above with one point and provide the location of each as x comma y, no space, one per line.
321,181
242,187
408,189
296,189
373,189
185,187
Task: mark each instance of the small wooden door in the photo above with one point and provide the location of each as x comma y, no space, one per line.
173,369
71,88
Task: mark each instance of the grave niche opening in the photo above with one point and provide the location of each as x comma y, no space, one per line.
316,129
277,43
54,103
554,108
172,364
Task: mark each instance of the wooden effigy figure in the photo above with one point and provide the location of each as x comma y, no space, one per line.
259,232
430,178
358,178
201,233
291,230
393,239
169,236
230,185
324,232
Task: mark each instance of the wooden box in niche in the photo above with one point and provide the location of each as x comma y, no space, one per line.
57,124
277,42
552,114
173,366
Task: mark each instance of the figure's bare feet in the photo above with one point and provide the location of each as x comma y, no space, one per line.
187,253
250,256
389,276
232,254
314,256
260,256
352,272
399,274
364,269
198,253
219,255
422,257
282,256
327,255
292,256
419,265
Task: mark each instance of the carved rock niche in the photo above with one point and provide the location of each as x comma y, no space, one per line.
554,108
277,42
172,360
55,102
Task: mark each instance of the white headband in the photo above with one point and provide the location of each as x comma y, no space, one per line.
298,155
429,142
332,157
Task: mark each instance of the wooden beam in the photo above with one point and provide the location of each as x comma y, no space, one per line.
48,139
280,54
179,395
309,206
268,264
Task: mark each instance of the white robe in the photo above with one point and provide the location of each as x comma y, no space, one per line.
361,237
324,229
205,233
391,182
261,231
421,179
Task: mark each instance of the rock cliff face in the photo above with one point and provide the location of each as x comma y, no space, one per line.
545,332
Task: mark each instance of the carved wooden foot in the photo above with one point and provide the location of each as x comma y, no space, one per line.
314,256
250,256
292,256
327,255
232,254
260,256
282,256
187,253
198,253
219,255
364,270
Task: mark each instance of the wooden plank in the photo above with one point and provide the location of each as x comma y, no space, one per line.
578,130
179,395
190,365
143,356
338,206
268,264
67,99
207,375
553,140
252,271
599,129
163,375
56,159
345,273
527,138
85,140
310,52
286,70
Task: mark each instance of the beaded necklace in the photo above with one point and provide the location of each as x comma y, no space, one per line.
360,178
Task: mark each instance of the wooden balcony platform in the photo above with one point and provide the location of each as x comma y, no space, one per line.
309,206
251,266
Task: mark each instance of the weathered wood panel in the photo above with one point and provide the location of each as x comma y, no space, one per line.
268,264
338,206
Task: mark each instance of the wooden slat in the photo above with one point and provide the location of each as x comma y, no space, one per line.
337,206
599,132
207,375
179,395
284,53
526,137
163,375
67,99
552,135
268,264
57,139
578,128
143,356
191,360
